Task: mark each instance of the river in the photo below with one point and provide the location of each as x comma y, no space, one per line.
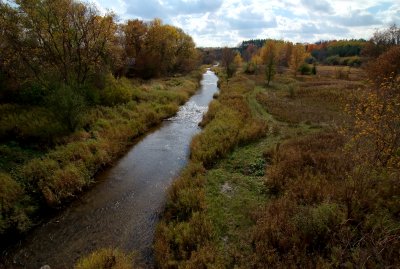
122,209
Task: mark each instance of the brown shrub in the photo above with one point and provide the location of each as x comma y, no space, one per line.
316,154
385,66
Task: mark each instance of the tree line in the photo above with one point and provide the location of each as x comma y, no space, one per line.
46,45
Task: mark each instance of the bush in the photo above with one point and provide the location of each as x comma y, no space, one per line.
68,106
105,259
333,60
250,68
116,91
305,69
314,69
316,225
354,61
13,215
28,124
33,94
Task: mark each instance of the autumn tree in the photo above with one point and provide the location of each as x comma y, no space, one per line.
270,54
187,56
385,66
227,61
286,54
61,40
382,41
134,36
298,56
377,124
238,60
159,49
250,51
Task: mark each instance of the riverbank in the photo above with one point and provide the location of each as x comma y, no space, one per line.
291,195
122,209
35,180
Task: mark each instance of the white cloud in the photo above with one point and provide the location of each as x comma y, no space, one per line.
227,22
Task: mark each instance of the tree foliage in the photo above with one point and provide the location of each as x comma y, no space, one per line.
227,61
270,53
64,41
381,41
297,58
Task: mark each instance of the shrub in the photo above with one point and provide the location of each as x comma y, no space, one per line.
33,94
68,106
317,225
314,69
305,69
105,259
177,242
13,215
250,68
28,124
116,91
385,66
333,60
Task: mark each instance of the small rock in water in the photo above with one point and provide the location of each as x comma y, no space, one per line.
45,267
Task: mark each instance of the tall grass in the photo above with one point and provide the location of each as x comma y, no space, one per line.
60,173
184,234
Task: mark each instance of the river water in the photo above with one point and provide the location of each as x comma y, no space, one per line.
123,208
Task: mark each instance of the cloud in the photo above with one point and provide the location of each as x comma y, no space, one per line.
227,22
193,6
152,9
168,9
318,6
250,20
356,19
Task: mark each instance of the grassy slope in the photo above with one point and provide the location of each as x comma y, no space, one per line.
34,177
272,202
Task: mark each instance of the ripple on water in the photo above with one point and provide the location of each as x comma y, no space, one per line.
190,113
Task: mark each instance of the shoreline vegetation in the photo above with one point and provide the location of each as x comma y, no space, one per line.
283,186
55,177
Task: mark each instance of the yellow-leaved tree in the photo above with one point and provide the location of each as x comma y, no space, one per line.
298,55
270,54
377,125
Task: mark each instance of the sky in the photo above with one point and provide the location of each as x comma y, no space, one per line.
218,23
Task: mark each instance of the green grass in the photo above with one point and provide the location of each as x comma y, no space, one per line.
234,189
